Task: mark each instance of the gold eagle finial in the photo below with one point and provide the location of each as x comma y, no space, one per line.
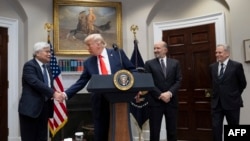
133,28
48,26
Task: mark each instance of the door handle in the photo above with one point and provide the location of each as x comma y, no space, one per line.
207,92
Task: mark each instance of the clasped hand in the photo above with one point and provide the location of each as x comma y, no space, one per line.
165,97
59,96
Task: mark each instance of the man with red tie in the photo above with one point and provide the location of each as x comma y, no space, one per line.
104,61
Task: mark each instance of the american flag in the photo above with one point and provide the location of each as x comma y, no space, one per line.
60,111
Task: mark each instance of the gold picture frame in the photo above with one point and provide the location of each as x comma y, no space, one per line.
75,19
246,45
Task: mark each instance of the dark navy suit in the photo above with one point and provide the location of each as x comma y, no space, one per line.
226,97
100,105
158,108
35,106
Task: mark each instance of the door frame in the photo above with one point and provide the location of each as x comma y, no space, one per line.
217,18
220,31
13,77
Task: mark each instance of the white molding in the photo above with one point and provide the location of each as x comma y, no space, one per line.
217,18
13,94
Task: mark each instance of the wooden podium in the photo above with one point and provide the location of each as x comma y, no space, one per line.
120,129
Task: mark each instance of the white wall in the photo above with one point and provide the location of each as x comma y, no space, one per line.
240,30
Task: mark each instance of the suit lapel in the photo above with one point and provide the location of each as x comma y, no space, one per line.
168,65
216,71
228,66
158,65
95,67
111,60
50,73
39,69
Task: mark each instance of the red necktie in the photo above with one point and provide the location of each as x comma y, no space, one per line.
103,66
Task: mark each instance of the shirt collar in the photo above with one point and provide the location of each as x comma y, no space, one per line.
225,62
164,59
104,53
39,62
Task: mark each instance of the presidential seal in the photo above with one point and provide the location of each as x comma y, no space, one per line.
123,80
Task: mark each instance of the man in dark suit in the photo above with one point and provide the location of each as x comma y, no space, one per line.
228,80
163,99
36,102
114,61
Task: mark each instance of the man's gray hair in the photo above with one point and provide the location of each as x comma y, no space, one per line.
39,46
225,46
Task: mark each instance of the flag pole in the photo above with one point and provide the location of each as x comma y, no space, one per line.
56,124
48,27
134,28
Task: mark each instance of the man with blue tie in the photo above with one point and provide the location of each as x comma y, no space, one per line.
36,102
228,83
103,61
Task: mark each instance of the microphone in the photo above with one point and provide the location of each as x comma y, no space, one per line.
116,48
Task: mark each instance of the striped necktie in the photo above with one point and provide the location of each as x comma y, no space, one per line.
163,67
221,71
45,76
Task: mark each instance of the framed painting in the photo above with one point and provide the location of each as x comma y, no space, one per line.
246,45
74,20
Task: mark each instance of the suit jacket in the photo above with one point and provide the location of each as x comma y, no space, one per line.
117,59
35,91
171,83
229,88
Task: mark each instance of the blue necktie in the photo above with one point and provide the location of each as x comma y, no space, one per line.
221,71
45,76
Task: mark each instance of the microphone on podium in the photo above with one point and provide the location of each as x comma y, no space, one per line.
116,48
